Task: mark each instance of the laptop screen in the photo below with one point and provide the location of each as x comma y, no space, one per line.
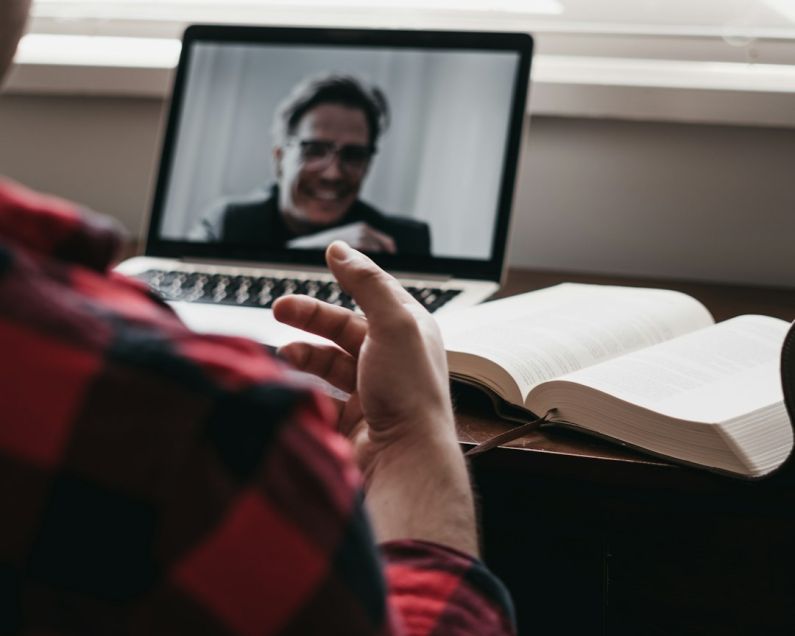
404,144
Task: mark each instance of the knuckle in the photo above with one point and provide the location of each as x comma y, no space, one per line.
312,313
297,353
326,361
430,329
404,321
341,326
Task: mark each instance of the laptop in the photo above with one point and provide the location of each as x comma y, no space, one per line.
281,140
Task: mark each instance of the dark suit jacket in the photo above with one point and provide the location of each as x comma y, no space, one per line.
257,222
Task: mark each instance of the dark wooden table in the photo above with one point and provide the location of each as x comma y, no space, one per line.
592,538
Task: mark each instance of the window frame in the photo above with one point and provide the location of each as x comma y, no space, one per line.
607,70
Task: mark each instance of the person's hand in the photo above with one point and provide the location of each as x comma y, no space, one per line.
399,416
359,235
392,363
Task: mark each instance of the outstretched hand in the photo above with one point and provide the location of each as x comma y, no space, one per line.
392,362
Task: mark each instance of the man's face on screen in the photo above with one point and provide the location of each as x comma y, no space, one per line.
322,166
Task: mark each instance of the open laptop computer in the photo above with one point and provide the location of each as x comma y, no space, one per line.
238,213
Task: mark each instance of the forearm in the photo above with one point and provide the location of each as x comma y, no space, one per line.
420,490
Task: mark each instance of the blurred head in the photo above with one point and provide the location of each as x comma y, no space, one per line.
13,16
325,135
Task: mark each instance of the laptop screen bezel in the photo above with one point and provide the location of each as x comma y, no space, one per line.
478,269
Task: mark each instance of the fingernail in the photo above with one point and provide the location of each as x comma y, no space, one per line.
340,251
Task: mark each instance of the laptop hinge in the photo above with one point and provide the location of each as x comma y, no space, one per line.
291,267
441,278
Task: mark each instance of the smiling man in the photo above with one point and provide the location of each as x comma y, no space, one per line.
325,137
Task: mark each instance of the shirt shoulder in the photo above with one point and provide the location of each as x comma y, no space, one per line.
172,478
50,226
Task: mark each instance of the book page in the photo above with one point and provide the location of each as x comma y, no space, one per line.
711,375
551,332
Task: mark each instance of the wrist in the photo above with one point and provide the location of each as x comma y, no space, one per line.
420,445
429,429
419,488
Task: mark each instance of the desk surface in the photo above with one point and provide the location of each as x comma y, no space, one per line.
562,453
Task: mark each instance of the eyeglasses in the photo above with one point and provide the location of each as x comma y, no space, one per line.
318,155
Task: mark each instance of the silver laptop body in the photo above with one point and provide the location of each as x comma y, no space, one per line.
247,199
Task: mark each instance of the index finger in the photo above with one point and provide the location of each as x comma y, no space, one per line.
337,324
376,292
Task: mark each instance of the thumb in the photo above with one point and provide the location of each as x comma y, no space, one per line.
375,291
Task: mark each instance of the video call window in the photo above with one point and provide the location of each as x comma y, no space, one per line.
394,150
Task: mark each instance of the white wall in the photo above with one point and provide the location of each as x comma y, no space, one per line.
665,200
100,152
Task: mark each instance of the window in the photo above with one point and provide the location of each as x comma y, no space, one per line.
721,61
730,30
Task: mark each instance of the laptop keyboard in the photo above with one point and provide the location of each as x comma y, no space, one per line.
262,291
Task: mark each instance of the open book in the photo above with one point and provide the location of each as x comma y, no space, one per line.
648,368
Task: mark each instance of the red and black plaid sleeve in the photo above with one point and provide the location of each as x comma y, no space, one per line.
439,590
156,481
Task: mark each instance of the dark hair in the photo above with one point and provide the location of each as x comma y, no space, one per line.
331,89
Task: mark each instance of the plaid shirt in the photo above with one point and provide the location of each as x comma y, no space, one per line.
157,481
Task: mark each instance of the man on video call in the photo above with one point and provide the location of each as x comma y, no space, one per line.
325,137
158,481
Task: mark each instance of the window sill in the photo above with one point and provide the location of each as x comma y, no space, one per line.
724,93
